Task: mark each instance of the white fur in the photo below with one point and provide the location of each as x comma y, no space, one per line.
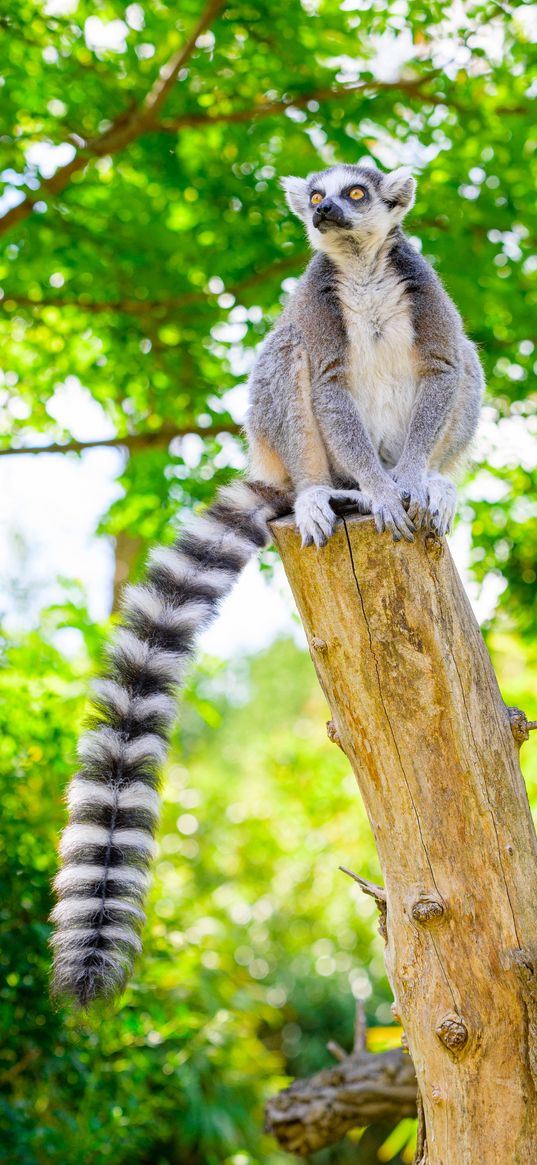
401,187
120,700
145,601
100,745
143,747
72,908
76,835
72,876
113,695
79,835
240,496
149,604
126,644
139,796
136,838
76,938
89,793
169,666
214,531
382,374
158,704
180,566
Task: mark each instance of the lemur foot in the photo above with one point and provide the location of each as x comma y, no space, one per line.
442,503
352,497
314,515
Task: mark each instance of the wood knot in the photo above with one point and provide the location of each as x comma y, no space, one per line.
319,645
453,1033
427,910
434,545
333,734
520,725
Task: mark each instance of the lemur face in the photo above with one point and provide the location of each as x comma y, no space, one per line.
350,202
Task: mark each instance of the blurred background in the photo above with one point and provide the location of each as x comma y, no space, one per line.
145,251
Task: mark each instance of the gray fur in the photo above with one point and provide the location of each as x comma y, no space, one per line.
366,392
394,385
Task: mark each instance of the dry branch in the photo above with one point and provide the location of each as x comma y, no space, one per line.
359,1090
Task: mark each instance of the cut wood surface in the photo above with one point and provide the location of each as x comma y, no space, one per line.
416,707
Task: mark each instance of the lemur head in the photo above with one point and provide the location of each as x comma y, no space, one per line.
350,204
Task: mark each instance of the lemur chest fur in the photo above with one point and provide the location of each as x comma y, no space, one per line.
381,365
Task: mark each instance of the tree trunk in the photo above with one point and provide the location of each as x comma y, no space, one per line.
416,708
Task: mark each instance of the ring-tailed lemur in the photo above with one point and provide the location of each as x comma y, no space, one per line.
366,391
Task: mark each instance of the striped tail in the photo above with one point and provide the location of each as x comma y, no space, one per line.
108,845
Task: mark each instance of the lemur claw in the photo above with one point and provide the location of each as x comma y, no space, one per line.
442,502
414,496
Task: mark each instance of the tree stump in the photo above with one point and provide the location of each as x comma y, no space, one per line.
416,708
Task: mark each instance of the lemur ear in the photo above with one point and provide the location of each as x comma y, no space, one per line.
399,188
296,194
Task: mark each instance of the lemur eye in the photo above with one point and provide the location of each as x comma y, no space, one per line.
316,197
356,193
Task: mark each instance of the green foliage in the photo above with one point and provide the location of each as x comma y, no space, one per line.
152,261
255,942
253,932
141,265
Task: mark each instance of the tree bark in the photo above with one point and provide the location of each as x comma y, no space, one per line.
360,1090
416,708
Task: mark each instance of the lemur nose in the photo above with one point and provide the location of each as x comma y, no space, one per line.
327,212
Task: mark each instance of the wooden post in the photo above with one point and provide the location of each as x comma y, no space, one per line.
416,707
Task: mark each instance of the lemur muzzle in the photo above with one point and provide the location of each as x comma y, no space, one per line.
328,211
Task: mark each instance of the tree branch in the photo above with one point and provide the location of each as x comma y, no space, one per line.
140,307
361,1089
125,128
297,101
159,93
131,441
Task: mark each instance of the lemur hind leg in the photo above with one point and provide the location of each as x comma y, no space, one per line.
314,516
442,503
286,445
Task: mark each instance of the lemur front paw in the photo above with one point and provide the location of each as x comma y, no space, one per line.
442,504
412,488
314,515
389,512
